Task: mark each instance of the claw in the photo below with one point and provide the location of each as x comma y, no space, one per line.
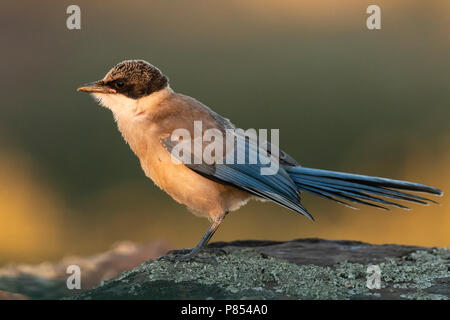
217,251
188,257
178,251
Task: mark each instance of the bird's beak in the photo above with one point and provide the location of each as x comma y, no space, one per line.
96,87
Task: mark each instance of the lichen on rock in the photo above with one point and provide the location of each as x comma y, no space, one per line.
249,274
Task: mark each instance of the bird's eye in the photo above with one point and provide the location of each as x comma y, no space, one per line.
119,84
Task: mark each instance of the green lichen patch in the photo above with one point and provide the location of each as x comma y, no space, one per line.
247,274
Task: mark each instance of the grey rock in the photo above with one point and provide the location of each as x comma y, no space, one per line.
298,269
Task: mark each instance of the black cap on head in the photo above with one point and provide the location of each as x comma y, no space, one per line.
135,78
132,78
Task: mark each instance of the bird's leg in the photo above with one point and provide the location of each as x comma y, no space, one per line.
191,253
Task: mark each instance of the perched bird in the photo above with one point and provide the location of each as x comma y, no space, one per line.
148,111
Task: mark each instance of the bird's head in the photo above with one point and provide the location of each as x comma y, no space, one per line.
130,79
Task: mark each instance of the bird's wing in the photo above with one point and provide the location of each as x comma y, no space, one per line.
277,187
284,159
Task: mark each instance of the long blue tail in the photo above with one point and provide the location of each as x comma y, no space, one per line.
340,186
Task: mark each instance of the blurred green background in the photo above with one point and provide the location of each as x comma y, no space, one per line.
344,97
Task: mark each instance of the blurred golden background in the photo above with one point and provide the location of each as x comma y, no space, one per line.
345,98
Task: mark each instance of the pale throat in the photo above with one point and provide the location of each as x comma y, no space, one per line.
123,106
129,113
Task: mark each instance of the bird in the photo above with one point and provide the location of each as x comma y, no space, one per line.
147,112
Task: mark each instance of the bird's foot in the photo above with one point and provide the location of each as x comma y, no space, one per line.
178,251
216,251
190,255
